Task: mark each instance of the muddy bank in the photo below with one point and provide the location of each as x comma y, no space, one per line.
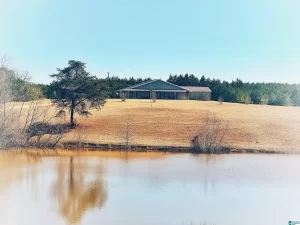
144,148
75,146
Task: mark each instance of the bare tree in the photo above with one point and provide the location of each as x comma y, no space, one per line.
31,124
128,134
5,97
80,138
24,124
123,96
210,137
153,96
220,100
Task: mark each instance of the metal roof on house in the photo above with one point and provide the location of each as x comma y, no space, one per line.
186,88
196,89
152,81
140,84
131,89
161,90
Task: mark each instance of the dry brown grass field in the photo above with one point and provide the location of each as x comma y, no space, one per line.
173,123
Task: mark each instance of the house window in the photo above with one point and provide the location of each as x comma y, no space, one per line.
134,94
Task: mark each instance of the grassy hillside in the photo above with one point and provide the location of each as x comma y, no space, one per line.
168,122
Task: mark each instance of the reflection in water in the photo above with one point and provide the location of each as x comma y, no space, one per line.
17,158
207,158
149,189
75,191
15,166
210,160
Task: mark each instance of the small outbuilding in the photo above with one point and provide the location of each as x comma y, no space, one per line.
165,90
198,93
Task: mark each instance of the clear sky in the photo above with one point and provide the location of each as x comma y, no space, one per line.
254,40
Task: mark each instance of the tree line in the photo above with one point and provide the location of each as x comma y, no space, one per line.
112,83
237,91
243,92
21,89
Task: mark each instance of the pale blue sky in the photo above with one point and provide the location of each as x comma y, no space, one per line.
255,40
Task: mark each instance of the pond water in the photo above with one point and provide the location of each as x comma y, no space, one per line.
141,188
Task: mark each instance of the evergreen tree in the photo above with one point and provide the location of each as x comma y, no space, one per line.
77,91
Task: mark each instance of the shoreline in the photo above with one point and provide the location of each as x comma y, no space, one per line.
74,146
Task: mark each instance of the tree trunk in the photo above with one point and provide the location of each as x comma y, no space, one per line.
72,123
71,176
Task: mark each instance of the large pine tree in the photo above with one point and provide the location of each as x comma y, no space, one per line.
74,89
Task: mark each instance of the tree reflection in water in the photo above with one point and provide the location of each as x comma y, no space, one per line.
16,167
77,189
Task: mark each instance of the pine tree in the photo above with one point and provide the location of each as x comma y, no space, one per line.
77,91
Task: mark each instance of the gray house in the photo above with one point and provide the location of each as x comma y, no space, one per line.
165,90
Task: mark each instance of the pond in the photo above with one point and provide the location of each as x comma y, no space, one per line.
149,188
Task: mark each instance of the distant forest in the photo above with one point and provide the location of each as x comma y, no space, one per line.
234,91
238,91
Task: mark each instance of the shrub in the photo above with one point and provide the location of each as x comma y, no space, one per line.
210,137
264,100
247,99
284,100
